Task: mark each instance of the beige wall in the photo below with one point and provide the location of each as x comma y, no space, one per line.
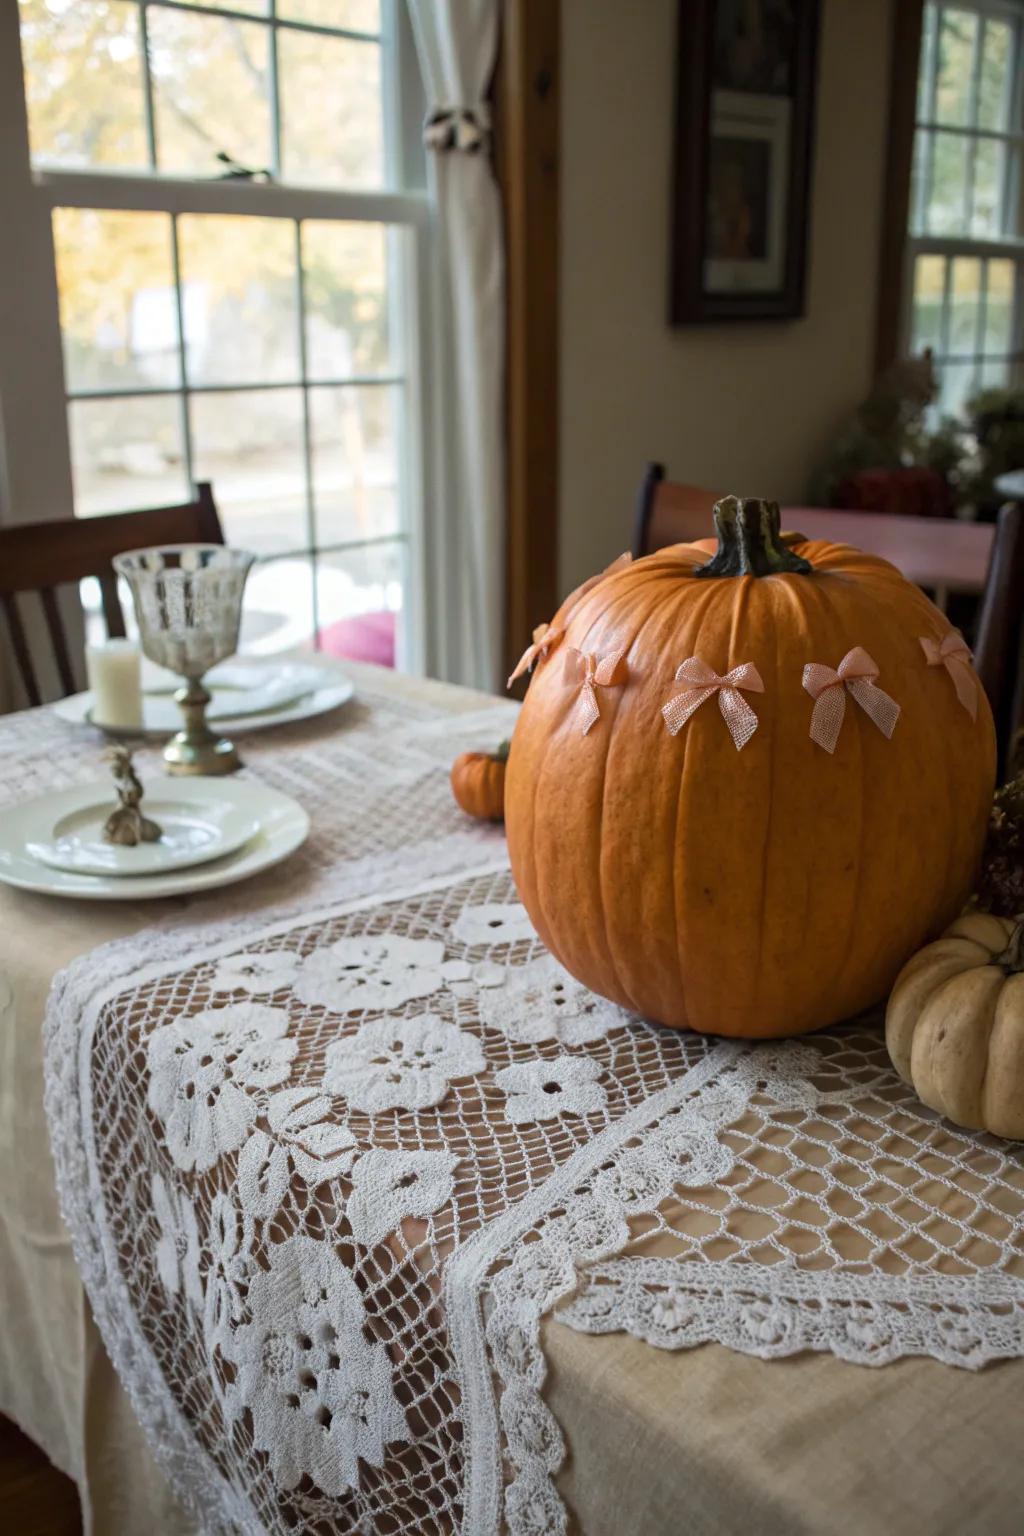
743,408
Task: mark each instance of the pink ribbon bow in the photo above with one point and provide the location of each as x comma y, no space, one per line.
855,674
546,636
592,672
954,654
701,682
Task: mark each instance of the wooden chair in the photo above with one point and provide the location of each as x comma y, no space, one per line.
40,557
956,556
999,635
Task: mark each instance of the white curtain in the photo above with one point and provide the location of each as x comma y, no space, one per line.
456,41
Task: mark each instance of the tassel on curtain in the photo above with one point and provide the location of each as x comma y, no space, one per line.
456,41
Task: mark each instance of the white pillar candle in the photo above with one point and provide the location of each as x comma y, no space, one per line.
114,669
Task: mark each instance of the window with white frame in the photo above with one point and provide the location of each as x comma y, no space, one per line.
966,248
237,226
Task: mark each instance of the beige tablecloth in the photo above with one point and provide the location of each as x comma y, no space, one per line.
659,1442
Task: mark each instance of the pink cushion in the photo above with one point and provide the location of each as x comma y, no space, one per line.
370,637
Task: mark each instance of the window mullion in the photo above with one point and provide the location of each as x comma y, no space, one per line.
972,123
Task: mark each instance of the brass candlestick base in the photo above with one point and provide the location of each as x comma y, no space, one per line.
197,749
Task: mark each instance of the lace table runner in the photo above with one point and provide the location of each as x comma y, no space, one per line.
327,1171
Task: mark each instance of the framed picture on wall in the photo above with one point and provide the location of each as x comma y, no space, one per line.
744,132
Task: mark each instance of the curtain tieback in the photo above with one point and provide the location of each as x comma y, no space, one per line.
457,128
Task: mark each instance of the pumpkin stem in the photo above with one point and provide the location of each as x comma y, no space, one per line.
750,542
1012,957
500,754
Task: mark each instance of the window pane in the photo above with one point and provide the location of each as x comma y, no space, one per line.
350,15
923,148
251,446
927,64
83,81
239,299
956,385
986,215
929,279
210,91
332,132
965,302
995,373
345,269
359,603
949,178
127,454
1014,223
117,307
999,307
957,38
278,610
355,436
994,82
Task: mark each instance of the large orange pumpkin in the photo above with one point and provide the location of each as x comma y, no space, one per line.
763,891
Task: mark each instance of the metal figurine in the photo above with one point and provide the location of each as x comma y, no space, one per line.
127,825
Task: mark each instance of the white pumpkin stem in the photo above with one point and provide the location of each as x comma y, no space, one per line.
1012,957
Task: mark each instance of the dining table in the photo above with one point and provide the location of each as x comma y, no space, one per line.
440,1242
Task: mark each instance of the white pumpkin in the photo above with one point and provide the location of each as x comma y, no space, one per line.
954,1026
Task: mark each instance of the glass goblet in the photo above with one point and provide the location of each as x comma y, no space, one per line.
188,603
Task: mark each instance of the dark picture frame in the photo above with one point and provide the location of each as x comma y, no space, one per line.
745,98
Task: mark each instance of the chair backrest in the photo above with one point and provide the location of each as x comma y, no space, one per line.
40,557
999,636
941,555
670,513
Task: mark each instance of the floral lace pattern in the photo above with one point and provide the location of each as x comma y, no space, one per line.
200,1069
328,1168
402,1064
541,1001
542,1090
374,973
320,1394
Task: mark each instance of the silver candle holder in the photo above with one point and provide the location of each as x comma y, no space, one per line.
188,603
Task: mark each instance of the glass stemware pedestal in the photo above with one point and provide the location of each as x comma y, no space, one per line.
188,603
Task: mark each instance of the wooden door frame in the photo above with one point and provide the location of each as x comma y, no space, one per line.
526,99
907,22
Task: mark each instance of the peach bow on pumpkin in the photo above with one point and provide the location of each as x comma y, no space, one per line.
701,682
591,672
828,688
546,636
953,653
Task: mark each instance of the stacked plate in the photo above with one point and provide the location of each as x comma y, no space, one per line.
213,832
246,695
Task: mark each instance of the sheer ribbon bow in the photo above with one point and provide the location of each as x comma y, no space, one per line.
828,688
589,673
701,682
953,653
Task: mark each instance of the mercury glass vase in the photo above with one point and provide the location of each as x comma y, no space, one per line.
188,603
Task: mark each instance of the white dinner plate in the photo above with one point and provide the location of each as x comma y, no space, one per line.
161,716
284,826
236,687
200,819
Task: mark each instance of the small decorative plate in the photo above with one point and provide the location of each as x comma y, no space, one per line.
198,821
283,827
161,717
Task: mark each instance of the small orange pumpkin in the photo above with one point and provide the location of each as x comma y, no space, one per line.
478,783
778,888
